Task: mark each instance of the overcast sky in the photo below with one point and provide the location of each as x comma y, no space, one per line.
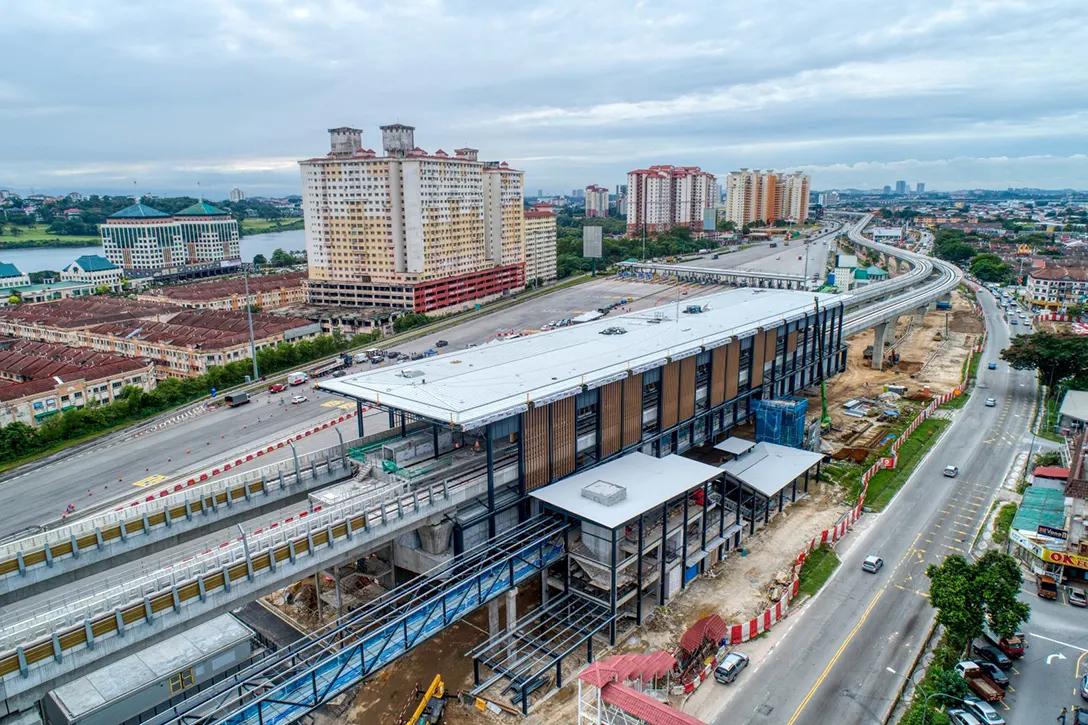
958,94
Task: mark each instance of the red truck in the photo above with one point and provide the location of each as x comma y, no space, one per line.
1013,646
979,682
277,388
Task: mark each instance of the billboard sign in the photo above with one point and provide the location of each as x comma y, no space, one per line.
592,244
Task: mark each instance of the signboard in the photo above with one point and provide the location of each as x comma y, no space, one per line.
1052,532
1026,543
1065,558
592,245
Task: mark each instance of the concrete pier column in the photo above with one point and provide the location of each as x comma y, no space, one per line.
339,596
317,589
511,620
920,314
879,338
492,617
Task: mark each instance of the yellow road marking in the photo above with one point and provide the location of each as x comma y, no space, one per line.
149,481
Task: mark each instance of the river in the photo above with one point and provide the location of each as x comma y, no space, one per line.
37,259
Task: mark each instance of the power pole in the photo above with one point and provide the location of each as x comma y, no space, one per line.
249,315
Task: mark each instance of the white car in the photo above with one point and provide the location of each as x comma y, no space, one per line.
951,471
297,399
991,402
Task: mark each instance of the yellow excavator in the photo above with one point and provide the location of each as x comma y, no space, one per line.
431,705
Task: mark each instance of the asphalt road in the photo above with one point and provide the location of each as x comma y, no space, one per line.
122,469
1045,679
831,666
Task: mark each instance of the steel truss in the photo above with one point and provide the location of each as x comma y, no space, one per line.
526,654
294,681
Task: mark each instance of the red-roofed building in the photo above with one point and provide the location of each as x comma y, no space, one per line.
596,201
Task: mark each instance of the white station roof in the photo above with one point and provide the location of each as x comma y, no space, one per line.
736,446
479,385
648,482
769,467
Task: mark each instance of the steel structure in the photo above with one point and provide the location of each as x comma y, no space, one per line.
527,654
293,682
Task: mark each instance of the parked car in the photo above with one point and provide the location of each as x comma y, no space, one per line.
1084,687
872,564
730,667
1080,716
992,654
951,471
1078,598
298,399
956,716
992,366
983,710
441,343
994,673
991,402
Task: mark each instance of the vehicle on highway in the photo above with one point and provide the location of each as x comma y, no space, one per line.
1078,598
979,682
297,399
872,564
1084,687
1046,587
392,354
992,366
236,399
277,387
993,654
956,716
951,471
773,245
297,378
994,673
984,711
730,667
441,343
991,402
1014,321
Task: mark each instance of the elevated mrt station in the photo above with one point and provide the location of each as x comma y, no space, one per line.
619,431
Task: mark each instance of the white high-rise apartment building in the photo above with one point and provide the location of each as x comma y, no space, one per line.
756,196
409,228
237,194
662,197
596,201
540,242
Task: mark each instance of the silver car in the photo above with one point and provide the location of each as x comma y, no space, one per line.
983,710
730,667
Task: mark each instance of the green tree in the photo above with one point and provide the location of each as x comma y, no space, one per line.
746,230
281,258
410,321
1055,355
259,259
990,268
727,225
1077,310
967,594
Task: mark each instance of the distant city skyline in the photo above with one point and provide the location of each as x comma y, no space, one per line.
237,92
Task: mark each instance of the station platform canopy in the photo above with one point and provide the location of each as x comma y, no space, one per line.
626,487
469,388
767,468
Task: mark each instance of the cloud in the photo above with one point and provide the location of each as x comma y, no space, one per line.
231,92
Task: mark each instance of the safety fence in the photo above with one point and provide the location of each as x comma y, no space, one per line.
169,507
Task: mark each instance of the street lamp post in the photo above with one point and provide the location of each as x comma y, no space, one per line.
925,697
249,315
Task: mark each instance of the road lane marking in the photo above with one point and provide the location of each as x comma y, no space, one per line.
1058,641
149,481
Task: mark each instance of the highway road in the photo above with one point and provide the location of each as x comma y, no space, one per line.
122,468
831,664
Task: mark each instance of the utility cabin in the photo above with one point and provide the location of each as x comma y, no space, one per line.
134,689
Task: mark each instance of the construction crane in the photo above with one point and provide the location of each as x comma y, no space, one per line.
431,706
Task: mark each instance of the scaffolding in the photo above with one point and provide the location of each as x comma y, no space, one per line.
781,421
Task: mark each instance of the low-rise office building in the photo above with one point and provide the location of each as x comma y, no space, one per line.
94,270
1056,288
267,292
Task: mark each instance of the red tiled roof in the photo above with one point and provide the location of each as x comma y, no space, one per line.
1079,274
644,707
1051,472
708,628
620,668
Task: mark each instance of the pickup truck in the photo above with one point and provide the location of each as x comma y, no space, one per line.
979,683
236,399
1046,587
277,387
1013,646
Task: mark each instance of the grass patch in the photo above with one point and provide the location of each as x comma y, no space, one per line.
1003,523
1050,416
819,565
60,446
884,485
261,226
36,235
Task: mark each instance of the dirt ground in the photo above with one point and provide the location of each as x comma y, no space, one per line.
927,358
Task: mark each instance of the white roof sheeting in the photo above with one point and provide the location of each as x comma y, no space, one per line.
482,384
736,446
649,483
1075,405
769,467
